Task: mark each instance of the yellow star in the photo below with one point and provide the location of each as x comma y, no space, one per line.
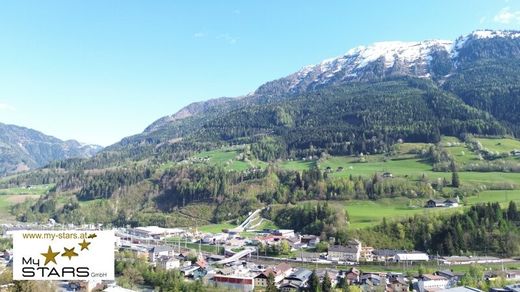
84,244
69,253
50,256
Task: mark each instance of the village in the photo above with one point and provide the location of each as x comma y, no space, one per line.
234,262
242,267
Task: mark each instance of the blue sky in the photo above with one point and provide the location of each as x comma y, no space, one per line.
100,70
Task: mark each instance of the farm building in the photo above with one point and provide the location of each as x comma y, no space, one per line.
442,203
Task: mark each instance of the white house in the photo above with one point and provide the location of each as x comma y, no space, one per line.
344,253
159,251
433,282
168,263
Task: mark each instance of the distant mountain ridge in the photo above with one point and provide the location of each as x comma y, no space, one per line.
23,149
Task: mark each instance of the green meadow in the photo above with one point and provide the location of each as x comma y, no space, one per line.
228,158
500,145
30,190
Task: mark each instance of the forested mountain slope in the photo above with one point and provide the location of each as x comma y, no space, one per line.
476,71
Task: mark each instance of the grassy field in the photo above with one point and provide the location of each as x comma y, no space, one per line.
411,167
228,159
502,197
462,154
406,148
500,145
365,214
406,166
216,228
32,190
298,165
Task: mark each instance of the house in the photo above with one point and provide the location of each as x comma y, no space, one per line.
513,275
388,175
160,250
367,254
453,277
351,252
189,271
397,284
352,276
296,281
411,257
440,203
343,253
168,263
239,278
332,274
433,203
452,202
371,279
279,272
429,282
310,240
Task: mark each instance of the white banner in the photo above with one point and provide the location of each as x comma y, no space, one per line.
63,255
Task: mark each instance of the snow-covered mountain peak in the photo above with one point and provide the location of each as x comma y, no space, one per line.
390,51
423,59
390,58
483,34
487,34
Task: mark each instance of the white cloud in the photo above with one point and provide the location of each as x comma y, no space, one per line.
199,34
507,16
228,38
7,107
483,19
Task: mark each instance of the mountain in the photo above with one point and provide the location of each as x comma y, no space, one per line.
23,149
364,102
476,72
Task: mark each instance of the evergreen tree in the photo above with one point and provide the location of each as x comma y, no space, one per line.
342,283
271,285
512,211
455,181
326,285
314,282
